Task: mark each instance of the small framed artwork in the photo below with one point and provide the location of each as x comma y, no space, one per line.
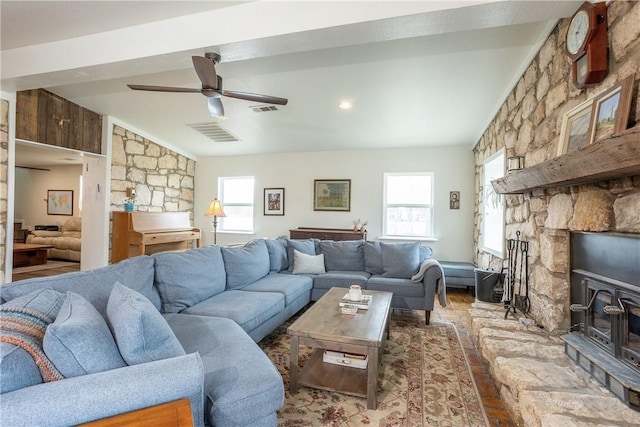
574,133
454,200
332,195
274,201
611,110
60,202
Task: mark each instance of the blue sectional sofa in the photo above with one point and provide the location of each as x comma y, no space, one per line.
153,329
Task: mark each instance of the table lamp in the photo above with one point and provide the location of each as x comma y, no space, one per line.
215,210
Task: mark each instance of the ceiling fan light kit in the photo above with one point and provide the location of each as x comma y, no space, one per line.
212,87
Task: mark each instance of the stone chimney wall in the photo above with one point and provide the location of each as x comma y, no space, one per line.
163,179
4,177
528,124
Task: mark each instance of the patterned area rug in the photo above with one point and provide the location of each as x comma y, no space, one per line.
424,380
49,265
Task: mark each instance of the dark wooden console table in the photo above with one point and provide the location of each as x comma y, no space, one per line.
327,233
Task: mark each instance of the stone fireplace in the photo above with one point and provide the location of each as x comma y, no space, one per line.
537,381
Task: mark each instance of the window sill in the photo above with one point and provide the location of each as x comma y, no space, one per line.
248,233
409,238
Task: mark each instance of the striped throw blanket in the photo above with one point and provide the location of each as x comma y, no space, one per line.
25,328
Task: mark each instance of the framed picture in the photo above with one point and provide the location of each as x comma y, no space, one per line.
332,195
611,110
274,201
574,133
454,200
60,202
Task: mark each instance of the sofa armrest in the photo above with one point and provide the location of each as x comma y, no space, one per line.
91,397
45,233
433,280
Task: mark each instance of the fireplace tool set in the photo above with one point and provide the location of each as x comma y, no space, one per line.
516,290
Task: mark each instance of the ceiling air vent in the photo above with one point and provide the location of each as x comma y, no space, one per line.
263,108
214,132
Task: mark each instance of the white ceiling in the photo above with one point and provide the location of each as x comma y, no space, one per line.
421,73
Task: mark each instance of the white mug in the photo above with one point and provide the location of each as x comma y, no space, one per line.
355,293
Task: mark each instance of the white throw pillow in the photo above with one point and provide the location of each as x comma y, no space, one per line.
307,264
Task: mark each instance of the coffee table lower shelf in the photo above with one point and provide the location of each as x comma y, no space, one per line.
330,377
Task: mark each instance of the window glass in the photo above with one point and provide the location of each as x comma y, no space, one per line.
492,206
236,194
408,204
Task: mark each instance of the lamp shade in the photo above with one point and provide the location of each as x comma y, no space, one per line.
215,209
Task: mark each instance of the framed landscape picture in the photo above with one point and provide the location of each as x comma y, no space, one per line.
611,110
332,195
60,202
274,201
575,128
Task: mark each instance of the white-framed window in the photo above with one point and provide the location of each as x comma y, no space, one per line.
492,206
236,195
407,204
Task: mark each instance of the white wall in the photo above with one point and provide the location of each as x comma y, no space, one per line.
31,193
453,169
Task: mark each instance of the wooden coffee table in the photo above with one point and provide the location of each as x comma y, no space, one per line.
324,326
25,254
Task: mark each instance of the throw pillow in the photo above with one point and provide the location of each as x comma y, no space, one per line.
17,367
189,277
373,258
307,264
79,341
246,264
400,260
277,254
343,256
45,301
307,246
140,331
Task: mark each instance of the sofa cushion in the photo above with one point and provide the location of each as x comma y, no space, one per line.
95,285
79,341
400,260
277,254
246,264
344,255
188,277
307,264
141,333
399,287
17,367
247,309
373,257
306,246
341,279
241,384
289,285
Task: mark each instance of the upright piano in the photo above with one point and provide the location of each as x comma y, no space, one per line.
146,233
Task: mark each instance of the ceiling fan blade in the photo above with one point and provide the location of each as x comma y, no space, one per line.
206,71
215,107
164,88
255,97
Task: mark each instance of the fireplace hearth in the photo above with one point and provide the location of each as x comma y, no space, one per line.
605,311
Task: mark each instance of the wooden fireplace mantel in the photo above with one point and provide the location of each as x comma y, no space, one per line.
610,158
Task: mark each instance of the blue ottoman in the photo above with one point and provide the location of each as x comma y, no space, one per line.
459,274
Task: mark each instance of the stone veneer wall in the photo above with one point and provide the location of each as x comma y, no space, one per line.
4,171
528,124
163,179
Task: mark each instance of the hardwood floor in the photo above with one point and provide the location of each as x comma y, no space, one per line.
45,273
457,311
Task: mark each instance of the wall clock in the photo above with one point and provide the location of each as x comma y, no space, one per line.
586,44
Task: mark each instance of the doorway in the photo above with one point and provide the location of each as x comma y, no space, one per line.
57,205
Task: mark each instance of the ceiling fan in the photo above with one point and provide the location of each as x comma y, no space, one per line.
212,86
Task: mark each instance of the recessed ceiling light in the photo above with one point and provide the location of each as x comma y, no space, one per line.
345,105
